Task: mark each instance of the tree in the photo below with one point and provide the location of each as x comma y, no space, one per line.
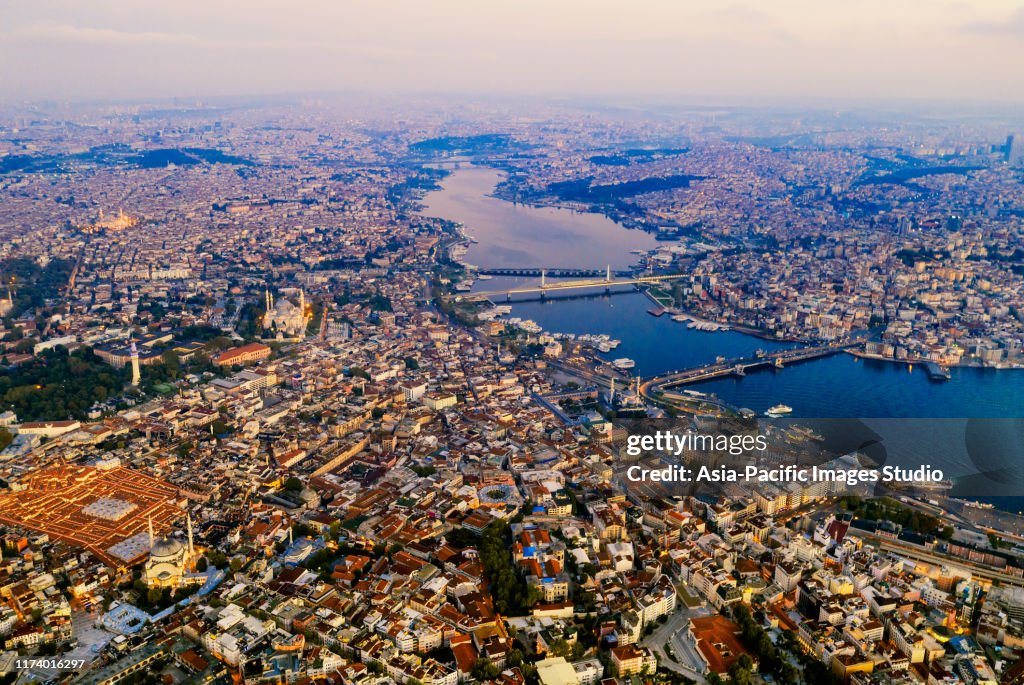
508,588
558,647
380,303
293,484
6,438
411,363
217,558
154,595
202,565
484,669
55,384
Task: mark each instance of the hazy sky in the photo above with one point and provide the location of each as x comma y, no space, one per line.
735,49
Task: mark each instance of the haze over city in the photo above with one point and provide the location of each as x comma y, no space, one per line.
736,50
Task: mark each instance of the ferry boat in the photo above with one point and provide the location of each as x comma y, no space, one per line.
624,363
484,277
937,372
779,410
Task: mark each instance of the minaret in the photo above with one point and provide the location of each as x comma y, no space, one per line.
151,540
191,547
136,375
608,273
611,394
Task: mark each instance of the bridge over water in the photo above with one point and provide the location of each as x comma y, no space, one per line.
555,273
739,367
545,287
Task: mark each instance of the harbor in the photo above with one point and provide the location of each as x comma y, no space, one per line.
841,385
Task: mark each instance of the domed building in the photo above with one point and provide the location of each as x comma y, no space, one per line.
283,318
310,498
170,560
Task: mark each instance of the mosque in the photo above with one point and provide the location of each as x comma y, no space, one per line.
283,318
118,222
171,562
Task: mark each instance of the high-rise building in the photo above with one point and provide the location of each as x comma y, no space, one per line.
1015,149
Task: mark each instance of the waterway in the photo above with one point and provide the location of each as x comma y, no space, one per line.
841,386
516,235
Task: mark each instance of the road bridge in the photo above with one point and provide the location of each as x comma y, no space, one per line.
544,288
738,367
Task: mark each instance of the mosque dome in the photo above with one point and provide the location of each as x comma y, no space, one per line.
166,548
309,496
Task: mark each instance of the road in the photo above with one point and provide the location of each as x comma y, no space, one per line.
673,632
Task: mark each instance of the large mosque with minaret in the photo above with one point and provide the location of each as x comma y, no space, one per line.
283,318
171,562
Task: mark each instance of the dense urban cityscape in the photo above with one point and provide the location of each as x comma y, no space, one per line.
264,418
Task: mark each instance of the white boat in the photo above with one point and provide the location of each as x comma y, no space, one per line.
484,277
624,363
779,410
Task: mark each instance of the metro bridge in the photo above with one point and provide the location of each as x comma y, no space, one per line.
609,281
